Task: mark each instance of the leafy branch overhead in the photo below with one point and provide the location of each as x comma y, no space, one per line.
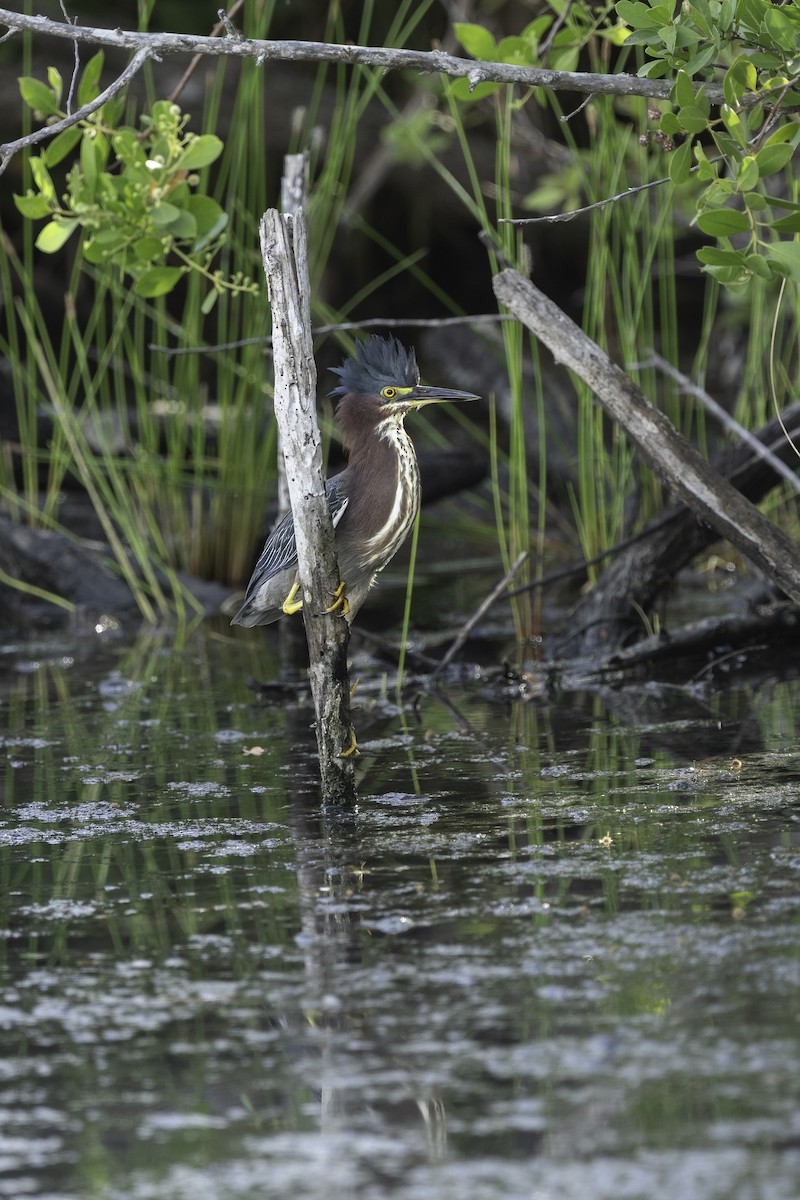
131,193
722,78
729,141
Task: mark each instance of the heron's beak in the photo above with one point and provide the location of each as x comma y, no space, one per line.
420,396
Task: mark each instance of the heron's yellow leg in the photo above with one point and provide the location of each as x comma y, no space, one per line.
352,747
340,600
290,604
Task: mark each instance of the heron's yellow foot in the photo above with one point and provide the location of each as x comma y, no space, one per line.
352,747
291,604
340,600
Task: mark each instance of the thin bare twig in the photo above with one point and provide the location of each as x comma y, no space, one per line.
482,608
725,419
555,218
76,66
198,58
368,323
9,149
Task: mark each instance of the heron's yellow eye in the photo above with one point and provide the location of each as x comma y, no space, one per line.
388,392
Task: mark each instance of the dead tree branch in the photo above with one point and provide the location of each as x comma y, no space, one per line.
672,457
9,149
428,62
285,254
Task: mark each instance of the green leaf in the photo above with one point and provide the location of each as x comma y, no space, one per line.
210,219
476,40
110,235
782,30
683,91
700,61
693,119
208,302
652,70
95,253
205,211
106,244
565,60
163,214
515,50
780,202
705,169
680,162
157,281
717,194
714,257
32,206
127,146
54,234
790,224
747,175
55,81
148,248
89,86
667,35
62,145
112,111
641,16
774,158
739,78
616,34
460,90
669,124
733,278
199,153
726,13
733,125
41,177
784,133
723,222
184,226
759,267
89,165
38,95
786,258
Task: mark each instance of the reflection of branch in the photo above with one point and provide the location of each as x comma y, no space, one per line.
428,62
9,149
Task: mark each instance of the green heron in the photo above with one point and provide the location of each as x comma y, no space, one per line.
374,501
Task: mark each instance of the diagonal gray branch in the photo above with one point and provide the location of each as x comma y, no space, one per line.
427,62
9,149
713,499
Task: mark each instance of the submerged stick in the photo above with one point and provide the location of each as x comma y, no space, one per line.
671,456
284,250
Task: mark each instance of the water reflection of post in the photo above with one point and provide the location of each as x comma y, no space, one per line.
329,859
326,848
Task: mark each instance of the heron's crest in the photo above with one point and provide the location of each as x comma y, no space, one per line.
377,363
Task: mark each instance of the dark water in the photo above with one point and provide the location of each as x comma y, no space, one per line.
554,955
